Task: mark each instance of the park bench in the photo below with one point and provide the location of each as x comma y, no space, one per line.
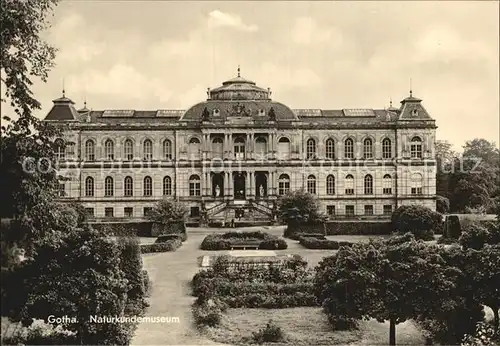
245,245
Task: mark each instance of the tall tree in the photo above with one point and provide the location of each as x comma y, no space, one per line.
481,148
393,280
28,176
23,55
445,157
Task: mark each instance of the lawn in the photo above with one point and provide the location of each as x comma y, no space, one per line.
307,326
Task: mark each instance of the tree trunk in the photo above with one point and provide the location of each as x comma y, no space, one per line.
392,332
495,319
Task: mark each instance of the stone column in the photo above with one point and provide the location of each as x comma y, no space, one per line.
231,184
248,179
226,183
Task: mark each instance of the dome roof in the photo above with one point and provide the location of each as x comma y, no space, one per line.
239,88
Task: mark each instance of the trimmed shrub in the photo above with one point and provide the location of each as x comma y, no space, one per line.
166,237
442,204
270,333
292,230
177,228
124,229
168,246
227,240
419,220
453,227
41,333
358,228
313,243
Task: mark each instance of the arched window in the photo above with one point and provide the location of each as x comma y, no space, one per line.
349,185
416,148
128,187
167,149
330,149
109,187
367,148
167,186
217,148
416,184
239,148
283,184
194,148
386,148
283,148
368,184
148,186
89,150
349,148
148,150
310,149
330,185
109,150
311,184
60,150
194,185
261,147
387,185
89,187
128,150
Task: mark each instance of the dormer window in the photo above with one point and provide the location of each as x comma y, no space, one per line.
414,112
262,112
216,112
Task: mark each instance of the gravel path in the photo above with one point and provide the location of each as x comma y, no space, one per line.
170,273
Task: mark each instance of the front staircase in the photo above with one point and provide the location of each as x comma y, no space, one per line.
255,212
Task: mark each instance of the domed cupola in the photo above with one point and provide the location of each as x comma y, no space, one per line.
239,88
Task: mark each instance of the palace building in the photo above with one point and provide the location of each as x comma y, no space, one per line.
234,154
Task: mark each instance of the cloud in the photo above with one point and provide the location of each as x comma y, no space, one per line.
222,19
307,31
280,76
120,80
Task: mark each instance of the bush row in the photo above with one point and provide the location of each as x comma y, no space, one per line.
226,288
325,244
168,246
270,301
227,240
358,228
124,229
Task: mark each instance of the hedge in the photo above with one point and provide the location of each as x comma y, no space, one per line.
257,294
227,240
292,231
325,244
168,246
121,229
179,228
358,228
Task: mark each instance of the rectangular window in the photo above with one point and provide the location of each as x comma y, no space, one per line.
62,190
416,190
330,210
147,210
349,191
108,212
195,212
128,211
89,212
349,210
387,190
388,209
368,209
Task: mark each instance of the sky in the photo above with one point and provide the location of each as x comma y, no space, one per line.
329,55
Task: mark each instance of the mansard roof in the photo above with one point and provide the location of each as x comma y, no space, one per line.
239,99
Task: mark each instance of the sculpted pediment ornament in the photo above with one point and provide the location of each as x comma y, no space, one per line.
239,110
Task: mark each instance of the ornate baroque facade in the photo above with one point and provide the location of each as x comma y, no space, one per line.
237,152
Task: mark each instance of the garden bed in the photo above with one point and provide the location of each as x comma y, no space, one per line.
226,241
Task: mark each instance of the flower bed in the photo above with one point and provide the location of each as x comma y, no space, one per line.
323,244
226,241
168,246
